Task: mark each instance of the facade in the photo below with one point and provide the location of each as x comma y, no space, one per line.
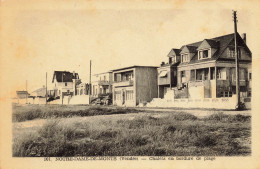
167,73
134,85
64,83
22,94
82,89
206,69
101,84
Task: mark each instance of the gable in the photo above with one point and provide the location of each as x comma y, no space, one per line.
185,50
63,76
204,45
172,53
242,47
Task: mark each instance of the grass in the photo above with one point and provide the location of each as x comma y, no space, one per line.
175,134
31,112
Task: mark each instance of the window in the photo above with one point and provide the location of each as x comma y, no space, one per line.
65,83
241,74
250,76
129,94
185,57
203,54
231,52
182,74
118,77
104,78
225,94
221,74
170,60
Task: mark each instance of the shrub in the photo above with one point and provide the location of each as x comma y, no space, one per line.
205,141
228,118
30,112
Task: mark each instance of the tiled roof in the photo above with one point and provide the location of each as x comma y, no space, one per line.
212,43
64,76
189,49
220,43
174,52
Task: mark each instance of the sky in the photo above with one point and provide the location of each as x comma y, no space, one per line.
44,36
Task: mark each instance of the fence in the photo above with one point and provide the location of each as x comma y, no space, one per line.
218,103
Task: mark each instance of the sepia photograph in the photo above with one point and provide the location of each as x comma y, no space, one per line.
102,81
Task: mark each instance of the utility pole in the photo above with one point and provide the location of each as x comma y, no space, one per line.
26,92
62,88
237,60
90,78
46,96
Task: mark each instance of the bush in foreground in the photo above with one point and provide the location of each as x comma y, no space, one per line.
142,136
31,112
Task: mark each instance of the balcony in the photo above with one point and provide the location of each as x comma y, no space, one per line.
199,83
196,83
123,83
103,83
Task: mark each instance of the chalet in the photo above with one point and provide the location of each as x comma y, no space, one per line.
134,85
64,83
82,89
102,84
206,69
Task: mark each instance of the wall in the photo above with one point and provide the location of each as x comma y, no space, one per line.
30,101
146,84
61,86
81,99
218,103
164,80
119,100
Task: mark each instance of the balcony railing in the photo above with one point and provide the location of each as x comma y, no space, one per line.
124,83
104,82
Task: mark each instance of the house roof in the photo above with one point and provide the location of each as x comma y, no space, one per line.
173,52
102,73
64,76
189,49
208,43
220,43
22,92
40,89
135,66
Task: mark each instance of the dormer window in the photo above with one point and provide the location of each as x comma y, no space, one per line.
204,54
172,59
185,57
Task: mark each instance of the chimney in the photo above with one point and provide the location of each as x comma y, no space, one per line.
74,73
244,37
163,63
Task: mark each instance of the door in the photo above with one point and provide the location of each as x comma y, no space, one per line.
123,97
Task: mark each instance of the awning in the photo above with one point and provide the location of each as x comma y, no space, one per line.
163,73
